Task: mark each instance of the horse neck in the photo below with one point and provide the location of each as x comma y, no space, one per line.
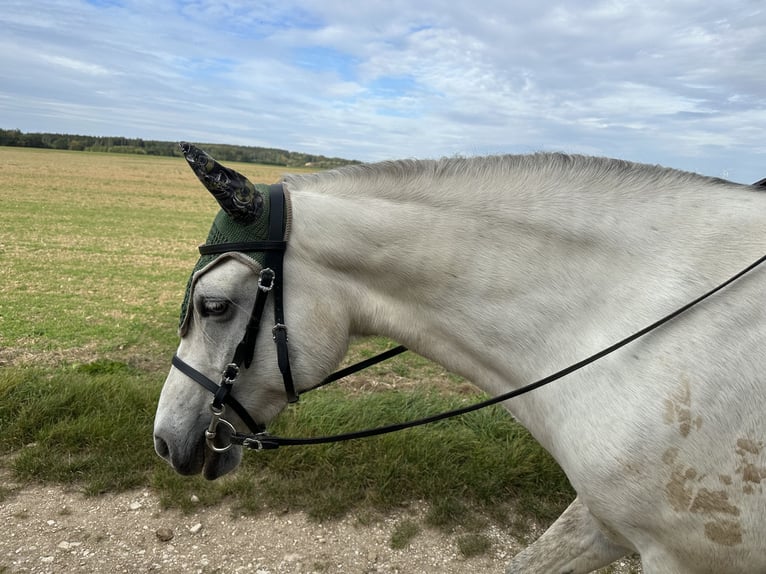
499,282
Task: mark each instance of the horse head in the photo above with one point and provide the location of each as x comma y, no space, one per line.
218,329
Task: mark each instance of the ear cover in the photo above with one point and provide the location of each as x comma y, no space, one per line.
237,196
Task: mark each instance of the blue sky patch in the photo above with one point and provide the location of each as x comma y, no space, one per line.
320,59
392,86
104,3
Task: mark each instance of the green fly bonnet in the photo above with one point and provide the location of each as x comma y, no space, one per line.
244,217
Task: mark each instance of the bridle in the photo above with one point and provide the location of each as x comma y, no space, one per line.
270,280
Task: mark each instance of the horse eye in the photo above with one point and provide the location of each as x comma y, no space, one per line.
214,307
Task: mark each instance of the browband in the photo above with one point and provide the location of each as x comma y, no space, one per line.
243,246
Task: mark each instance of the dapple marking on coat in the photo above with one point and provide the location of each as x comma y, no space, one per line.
504,269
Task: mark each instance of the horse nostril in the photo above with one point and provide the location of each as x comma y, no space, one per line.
161,447
186,458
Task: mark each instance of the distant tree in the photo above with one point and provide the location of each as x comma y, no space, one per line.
222,152
10,137
32,140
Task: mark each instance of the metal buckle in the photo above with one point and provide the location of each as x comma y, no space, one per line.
252,443
266,279
278,327
230,374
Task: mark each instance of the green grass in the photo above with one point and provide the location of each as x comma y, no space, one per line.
78,425
91,425
96,251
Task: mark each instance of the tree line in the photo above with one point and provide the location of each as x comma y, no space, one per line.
223,152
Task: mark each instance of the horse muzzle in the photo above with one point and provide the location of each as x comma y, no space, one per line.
190,457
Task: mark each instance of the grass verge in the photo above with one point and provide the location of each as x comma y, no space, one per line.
91,425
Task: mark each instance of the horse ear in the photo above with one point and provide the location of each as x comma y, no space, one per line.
235,194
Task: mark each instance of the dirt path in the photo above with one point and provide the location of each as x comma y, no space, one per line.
49,530
54,531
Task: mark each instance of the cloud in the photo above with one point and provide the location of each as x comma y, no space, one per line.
75,65
677,84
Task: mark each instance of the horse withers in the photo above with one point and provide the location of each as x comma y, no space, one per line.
504,269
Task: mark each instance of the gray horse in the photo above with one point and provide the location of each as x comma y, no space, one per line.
504,269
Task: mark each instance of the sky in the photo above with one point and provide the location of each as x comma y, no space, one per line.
680,83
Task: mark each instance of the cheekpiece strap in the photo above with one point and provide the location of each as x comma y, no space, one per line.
275,262
273,267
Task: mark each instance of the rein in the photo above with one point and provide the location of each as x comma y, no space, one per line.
264,441
270,280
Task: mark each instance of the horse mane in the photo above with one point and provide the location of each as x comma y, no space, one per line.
403,178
